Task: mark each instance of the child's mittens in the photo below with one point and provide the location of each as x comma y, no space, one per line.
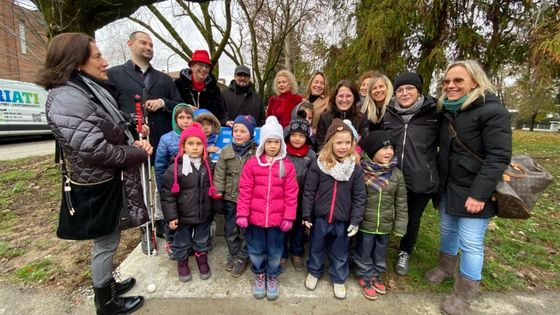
242,222
352,230
286,225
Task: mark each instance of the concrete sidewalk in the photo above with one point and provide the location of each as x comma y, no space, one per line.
224,294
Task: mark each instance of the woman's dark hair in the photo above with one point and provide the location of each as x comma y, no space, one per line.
66,52
351,113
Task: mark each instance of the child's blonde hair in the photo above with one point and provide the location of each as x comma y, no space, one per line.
326,155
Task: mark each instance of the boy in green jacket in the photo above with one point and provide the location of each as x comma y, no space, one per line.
385,212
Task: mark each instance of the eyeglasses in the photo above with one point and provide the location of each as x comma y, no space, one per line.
456,81
407,89
203,65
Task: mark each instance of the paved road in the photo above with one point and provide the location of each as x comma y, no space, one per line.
25,149
34,302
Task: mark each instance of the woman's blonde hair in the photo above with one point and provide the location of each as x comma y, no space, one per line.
291,80
326,155
477,74
308,89
376,111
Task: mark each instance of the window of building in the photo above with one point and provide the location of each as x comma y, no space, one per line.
22,38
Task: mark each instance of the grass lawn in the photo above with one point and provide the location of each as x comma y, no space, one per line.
519,254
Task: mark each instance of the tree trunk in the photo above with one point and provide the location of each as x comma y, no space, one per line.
533,118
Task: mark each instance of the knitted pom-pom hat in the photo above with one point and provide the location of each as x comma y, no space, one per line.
194,130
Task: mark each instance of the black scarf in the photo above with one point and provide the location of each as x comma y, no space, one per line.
241,89
313,98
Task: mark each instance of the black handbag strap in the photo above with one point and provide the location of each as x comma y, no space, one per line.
455,136
66,188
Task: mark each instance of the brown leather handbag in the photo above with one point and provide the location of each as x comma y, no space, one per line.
522,183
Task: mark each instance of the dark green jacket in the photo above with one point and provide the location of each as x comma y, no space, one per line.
228,170
386,211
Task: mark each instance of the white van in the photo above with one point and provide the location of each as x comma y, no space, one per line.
22,109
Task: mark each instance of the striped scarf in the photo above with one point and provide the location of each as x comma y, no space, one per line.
377,175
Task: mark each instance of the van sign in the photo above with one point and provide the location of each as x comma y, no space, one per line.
22,108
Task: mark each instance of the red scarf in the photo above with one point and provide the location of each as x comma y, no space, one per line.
297,152
199,86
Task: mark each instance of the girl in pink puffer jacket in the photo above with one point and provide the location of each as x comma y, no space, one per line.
266,206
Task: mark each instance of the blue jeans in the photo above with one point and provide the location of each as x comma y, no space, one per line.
466,234
332,239
265,249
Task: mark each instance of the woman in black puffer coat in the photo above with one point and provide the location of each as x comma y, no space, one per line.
80,114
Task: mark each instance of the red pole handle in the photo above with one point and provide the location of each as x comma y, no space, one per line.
139,118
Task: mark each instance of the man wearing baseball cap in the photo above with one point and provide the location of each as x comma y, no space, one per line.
241,99
199,87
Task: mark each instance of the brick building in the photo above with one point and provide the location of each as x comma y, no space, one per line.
23,41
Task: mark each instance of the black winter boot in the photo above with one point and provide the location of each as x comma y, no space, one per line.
107,302
123,286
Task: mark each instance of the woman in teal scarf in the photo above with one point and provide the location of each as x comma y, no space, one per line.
471,107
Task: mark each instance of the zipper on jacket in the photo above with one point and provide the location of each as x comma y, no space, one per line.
378,211
403,144
268,194
332,202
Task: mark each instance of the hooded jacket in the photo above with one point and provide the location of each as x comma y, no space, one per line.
264,197
210,98
485,128
167,148
95,147
242,101
416,145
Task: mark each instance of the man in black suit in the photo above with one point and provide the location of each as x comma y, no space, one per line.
158,92
137,76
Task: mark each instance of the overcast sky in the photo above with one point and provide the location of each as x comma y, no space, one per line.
112,38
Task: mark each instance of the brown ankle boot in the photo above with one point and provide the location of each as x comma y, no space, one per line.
464,292
444,270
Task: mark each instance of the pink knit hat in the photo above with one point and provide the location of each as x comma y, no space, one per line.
193,130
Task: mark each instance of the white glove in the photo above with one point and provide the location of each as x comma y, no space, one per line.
352,230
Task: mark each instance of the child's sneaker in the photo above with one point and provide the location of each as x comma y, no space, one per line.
203,267
229,265
311,282
259,290
272,291
297,261
367,289
339,290
377,283
239,267
183,270
168,251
